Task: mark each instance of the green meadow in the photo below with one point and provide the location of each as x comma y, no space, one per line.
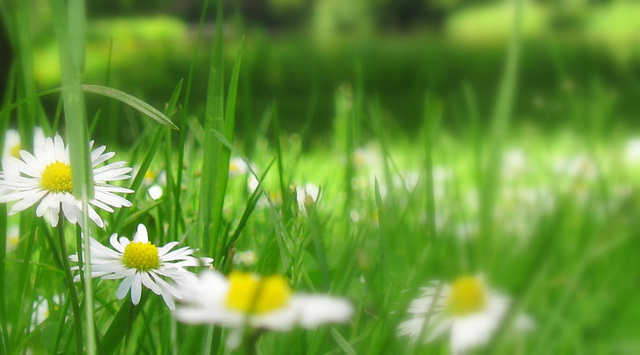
501,150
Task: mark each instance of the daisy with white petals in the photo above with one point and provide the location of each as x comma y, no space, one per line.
466,307
44,179
140,263
259,302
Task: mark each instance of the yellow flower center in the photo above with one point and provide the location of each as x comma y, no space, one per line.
141,256
467,296
254,295
56,177
149,177
15,151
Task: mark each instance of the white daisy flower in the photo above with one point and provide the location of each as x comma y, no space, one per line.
139,263
260,302
44,178
466,307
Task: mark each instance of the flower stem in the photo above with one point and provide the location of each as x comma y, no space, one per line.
88,285
75,304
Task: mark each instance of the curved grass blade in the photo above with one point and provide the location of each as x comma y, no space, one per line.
132,101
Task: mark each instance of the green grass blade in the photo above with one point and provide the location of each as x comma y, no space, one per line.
132,101
137,180
213,180
432,116
498,130
70,32
120,326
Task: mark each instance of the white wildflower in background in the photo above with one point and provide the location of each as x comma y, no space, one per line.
467,308
514,163
237,166
44,178
407,180
156,183
579,167
12,144
244,257
368,157
153,180
13,238
252,183
140,263
42,310
259,302
632,151
307,195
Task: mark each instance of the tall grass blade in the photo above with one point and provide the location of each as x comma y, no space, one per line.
213,180
498,131
70,32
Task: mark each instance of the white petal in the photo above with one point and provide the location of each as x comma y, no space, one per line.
314,310
124,287
136,290
115,243
141,234
146,280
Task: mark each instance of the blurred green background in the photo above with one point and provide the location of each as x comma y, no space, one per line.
298,53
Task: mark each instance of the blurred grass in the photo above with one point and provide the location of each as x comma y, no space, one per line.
152,54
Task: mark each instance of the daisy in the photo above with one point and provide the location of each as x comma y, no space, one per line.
466,307
44,179
139,263
260,302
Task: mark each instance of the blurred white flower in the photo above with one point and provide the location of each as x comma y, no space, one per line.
467,308
367,158
42,310
13,237
514,163
252,183
44,178
581,166
139,263
12,144
407,180
632,151
259,302
155,191
307,195
237,166
153,180
245,257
